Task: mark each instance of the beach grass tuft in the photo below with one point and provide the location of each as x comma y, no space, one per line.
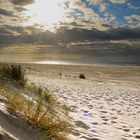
39,109
13,72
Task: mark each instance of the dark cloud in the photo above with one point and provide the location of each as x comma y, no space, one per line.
19,9
107,26
123,33
5,12
22,2
10,30
17,34
77,34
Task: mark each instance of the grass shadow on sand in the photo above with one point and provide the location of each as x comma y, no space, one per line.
34,104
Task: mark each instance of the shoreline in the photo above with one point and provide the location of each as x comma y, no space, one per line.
96,72
71,64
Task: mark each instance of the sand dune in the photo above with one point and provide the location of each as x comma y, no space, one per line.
13,126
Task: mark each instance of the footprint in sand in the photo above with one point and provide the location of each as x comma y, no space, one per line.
105,120
81,124
75,133
84,137
113,122
126,130
103,111
105,123
86,113
73,108
95,123
90,106
137,136
114,118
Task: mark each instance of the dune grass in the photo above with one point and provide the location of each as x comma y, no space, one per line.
39,108
43,93
13,72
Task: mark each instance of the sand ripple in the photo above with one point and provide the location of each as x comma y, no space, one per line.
99,110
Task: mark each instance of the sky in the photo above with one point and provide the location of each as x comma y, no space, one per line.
54,22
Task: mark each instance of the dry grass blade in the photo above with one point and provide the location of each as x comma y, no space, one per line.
48,123
13,72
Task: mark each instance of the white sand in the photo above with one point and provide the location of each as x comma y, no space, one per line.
105,106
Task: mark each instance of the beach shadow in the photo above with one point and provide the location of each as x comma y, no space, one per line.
16,127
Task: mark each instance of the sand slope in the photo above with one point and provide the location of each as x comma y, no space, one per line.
13,126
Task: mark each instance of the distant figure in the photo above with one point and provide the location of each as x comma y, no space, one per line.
82,76
60,74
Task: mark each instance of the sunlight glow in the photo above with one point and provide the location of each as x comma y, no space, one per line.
47,13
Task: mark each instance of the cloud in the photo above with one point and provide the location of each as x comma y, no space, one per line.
100,3
11,13
86,17
5,12
118,1
133,20
75,11
83,22
81,13
77,34
108,17
30,34
132,6
19,8
88,13
22,2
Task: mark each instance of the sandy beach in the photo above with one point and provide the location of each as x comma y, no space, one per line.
103,106
69,69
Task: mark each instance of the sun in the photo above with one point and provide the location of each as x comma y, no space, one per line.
47,13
